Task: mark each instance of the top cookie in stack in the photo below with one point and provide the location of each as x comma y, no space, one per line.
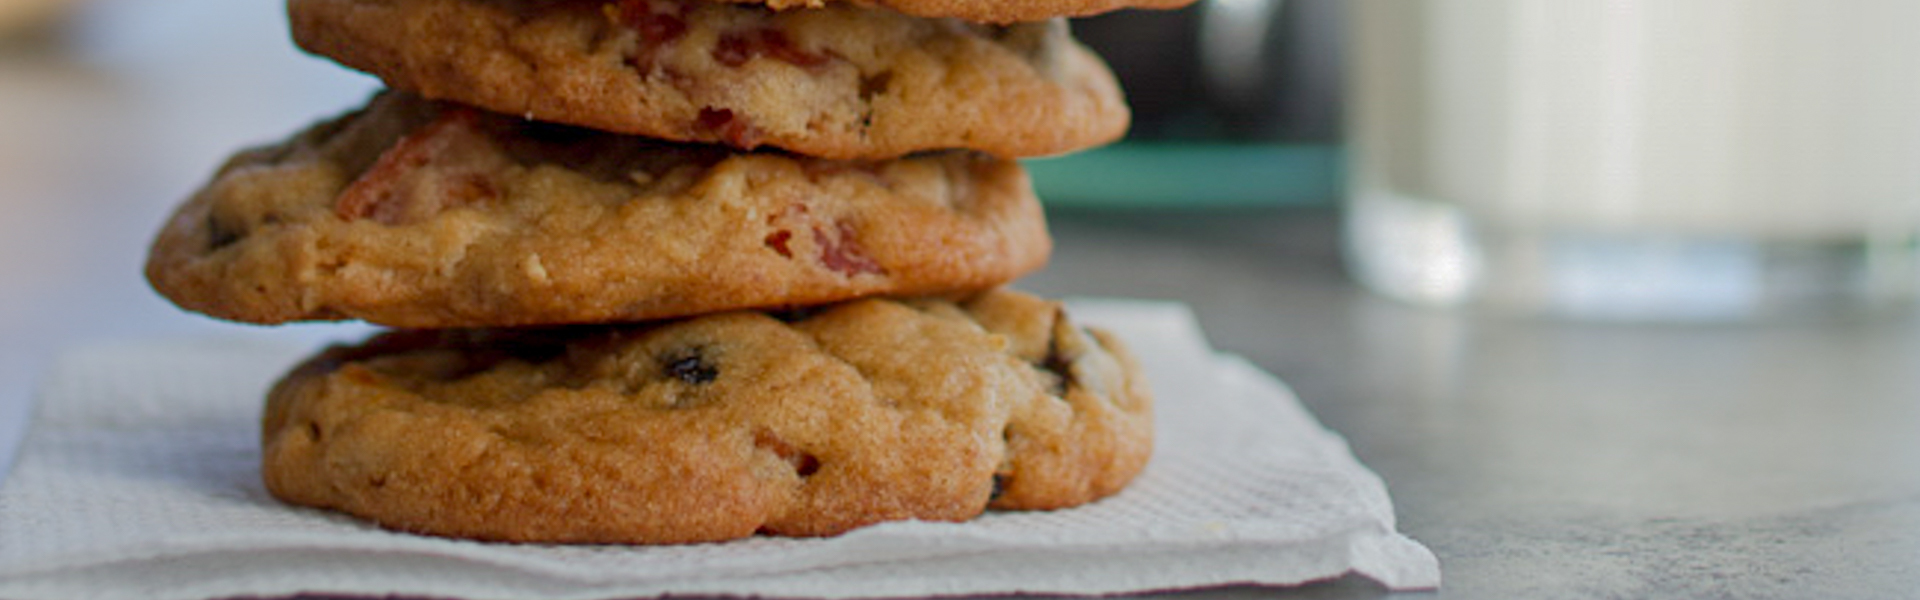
840,81
777,232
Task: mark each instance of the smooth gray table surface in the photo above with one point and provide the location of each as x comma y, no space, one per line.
1553,459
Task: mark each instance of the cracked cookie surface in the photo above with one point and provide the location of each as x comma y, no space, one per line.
841,81
990,11
415,213
802,423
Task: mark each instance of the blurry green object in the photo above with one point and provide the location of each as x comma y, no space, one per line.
1191,175
1236,103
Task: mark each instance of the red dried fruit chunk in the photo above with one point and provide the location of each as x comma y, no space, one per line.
444,164
776,44
735,131
874,85
657,22
837,245
840,252
778,242
732,50
735,49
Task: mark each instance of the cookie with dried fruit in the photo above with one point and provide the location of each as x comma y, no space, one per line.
842,81
414,213
717,427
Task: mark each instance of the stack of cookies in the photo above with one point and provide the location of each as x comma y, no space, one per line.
668,271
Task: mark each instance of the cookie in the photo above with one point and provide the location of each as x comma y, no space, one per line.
842,81
1089,430
991,11
805,423
421,214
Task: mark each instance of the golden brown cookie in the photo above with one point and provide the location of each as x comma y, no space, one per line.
803,423
422,214
1089,430
989,11
843,81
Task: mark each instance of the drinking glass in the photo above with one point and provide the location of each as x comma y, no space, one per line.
1636,159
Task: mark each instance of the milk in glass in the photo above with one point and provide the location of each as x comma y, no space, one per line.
1672,157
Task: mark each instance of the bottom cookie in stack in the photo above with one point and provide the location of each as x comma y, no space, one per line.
809,422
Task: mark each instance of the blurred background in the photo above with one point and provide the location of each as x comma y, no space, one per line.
111,112
1235,103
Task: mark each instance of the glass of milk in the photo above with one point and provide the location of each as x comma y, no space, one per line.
1636,159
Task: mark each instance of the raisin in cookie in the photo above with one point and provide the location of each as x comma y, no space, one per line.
803,423
842,81
421,214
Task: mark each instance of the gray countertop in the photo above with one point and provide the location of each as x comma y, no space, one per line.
1555,459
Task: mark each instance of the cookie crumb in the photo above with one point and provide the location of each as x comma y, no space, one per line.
534,269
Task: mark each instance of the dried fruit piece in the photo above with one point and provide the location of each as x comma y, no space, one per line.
658,23
842,253
778,242
444,164
736,131
690,366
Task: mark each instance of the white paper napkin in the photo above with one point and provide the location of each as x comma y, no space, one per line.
138,480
